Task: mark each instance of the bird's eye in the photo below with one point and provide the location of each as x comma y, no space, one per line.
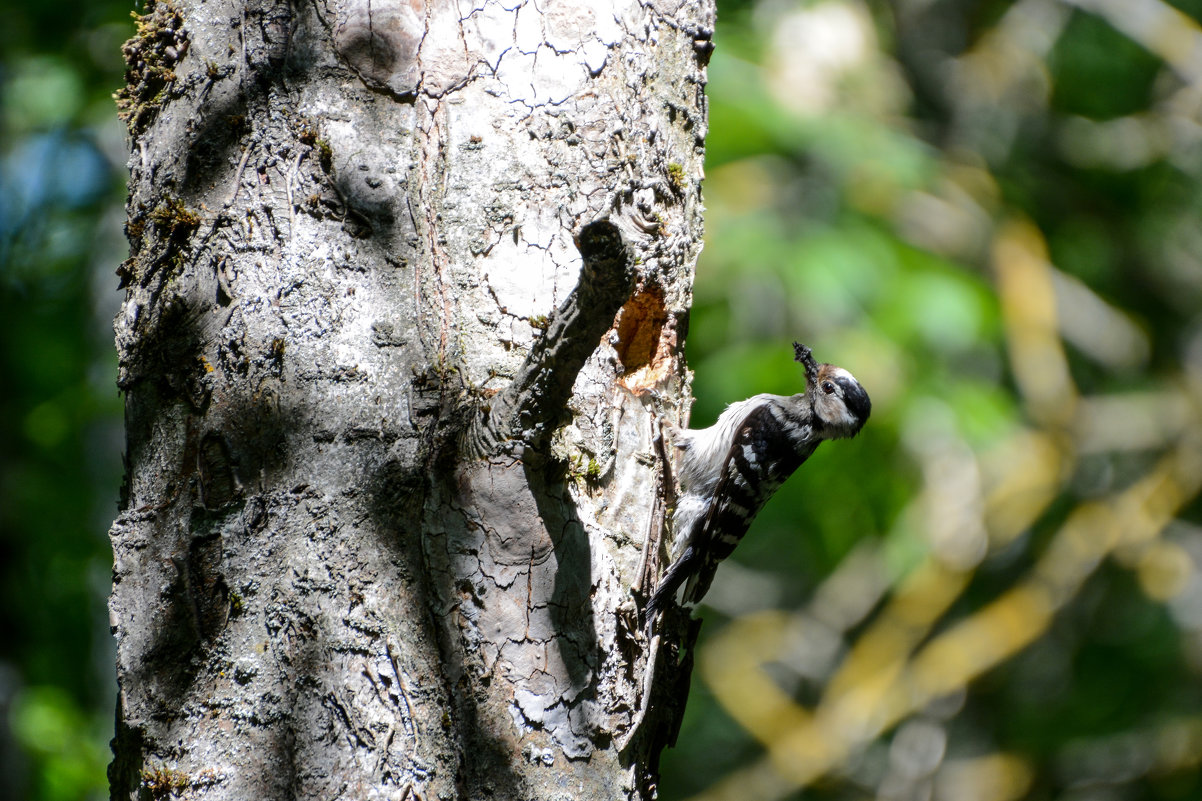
828,387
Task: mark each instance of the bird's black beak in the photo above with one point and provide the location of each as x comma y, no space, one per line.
805,357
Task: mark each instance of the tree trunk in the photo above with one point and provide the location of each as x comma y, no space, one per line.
403,315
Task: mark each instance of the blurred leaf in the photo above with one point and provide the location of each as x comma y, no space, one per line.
43,93
59,735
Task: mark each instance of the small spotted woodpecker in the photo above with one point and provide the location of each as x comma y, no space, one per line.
729,470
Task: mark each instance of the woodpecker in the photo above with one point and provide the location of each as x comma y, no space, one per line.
729,470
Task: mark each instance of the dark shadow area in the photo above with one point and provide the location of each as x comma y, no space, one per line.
244,438
213,138
570,603
398,492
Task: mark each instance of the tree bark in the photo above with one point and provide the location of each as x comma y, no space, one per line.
403,315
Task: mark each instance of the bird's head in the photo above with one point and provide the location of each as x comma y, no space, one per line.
839,402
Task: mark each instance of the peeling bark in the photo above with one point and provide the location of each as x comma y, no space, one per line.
403,311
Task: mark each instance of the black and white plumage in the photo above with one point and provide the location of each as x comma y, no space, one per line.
729,471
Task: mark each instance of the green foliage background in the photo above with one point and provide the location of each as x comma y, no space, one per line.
991,212
61,196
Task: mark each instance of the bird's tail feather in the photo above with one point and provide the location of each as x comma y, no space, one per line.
680,570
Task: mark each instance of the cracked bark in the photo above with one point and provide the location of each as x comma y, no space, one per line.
403,311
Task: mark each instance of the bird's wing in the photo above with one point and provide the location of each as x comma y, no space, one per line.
759,460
